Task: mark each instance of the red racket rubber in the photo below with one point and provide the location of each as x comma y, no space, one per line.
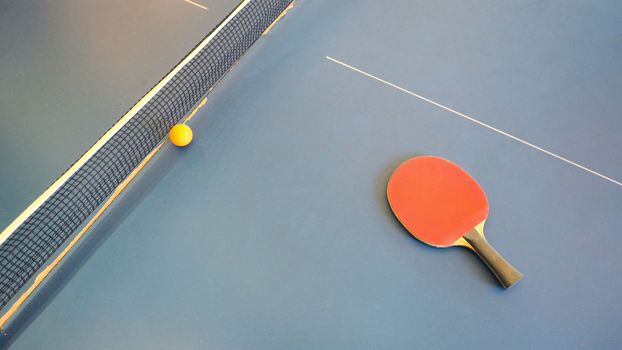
442,205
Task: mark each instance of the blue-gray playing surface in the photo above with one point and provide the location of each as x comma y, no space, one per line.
272,231
69,69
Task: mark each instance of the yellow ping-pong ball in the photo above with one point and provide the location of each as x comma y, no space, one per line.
180,135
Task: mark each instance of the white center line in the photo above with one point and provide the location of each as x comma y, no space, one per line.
517,139
196,4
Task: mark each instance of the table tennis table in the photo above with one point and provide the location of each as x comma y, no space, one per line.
271,230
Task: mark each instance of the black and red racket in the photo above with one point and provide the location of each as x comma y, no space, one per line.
442,205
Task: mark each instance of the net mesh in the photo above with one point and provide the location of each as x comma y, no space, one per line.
45,231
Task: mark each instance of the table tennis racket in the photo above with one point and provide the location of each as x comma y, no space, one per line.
440,204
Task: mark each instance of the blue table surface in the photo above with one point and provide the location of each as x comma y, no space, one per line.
272,231
69,69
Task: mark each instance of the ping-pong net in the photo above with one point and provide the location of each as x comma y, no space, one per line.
39,232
